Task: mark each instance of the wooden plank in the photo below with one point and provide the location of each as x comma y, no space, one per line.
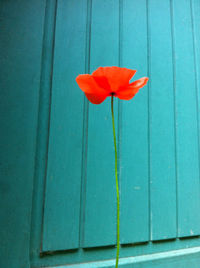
162,134
63,182
186,122
134,129
100,196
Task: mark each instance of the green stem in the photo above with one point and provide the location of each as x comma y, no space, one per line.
116,178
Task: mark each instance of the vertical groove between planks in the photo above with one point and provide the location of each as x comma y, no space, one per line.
50,75
119,102
120,30
42,68
175,119
195,70
149,114
85,127
40,105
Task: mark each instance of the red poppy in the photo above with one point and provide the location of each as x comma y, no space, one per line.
109,81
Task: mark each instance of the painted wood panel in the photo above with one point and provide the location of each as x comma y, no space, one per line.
100,200
63,182
161,122
158,138
186,121
134,154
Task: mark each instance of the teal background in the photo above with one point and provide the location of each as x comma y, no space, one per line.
58,204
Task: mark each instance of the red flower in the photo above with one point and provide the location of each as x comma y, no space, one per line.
109,81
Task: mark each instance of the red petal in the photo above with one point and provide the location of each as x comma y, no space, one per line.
117,77
132,89
102,82
140,82
88,85
95,99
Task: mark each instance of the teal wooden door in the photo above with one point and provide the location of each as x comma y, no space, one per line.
74,208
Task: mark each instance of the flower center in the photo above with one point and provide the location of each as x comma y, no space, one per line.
112,93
